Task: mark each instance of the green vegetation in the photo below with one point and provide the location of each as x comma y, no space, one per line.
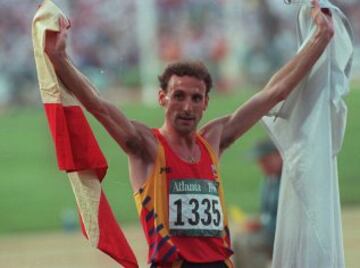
34,194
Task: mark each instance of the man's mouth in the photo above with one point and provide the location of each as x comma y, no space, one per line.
186,118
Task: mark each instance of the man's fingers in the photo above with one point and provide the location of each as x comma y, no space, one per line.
64,23
64,26
315,4
315,10
322,18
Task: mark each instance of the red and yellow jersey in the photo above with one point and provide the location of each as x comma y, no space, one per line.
181,208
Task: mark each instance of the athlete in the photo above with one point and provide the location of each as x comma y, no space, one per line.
173,169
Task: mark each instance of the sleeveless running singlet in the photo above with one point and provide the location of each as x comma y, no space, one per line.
182,210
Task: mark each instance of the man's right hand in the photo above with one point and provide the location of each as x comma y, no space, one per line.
135,139
55,42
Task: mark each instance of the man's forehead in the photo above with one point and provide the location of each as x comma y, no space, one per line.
185,82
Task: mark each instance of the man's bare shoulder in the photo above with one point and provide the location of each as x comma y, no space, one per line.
212,132
147,136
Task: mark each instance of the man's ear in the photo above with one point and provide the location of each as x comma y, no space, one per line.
206,101
162,97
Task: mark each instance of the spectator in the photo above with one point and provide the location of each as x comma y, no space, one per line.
254,246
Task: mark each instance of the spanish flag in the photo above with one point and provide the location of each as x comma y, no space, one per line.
76,147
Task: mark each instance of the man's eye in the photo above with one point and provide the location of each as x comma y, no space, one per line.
178,96
197,98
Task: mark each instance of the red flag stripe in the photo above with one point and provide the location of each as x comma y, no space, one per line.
75,144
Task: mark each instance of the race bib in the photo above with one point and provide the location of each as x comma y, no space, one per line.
194,208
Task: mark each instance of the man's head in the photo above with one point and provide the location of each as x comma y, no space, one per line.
184,95
268,157
195,69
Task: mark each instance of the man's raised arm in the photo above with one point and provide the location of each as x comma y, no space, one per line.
128,135
224,131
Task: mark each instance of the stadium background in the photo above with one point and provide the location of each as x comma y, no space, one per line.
114,43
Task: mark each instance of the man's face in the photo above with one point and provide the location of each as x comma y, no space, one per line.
184,103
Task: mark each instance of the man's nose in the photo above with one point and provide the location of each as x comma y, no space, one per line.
188,106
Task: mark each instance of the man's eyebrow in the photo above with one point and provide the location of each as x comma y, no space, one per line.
178,90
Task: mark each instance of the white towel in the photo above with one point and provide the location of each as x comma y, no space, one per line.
309,131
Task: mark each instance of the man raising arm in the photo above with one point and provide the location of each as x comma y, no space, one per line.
173,169
224,131
132,137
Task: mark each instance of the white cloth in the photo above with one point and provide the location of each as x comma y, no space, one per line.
309,130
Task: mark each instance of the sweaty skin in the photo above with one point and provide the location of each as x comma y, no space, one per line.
184,102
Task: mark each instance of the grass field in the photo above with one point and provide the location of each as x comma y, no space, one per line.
34,195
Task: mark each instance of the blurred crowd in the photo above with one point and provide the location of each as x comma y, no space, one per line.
104,39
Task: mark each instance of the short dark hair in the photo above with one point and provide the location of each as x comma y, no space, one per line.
186,68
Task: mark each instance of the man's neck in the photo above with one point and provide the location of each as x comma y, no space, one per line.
184,145
176,138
